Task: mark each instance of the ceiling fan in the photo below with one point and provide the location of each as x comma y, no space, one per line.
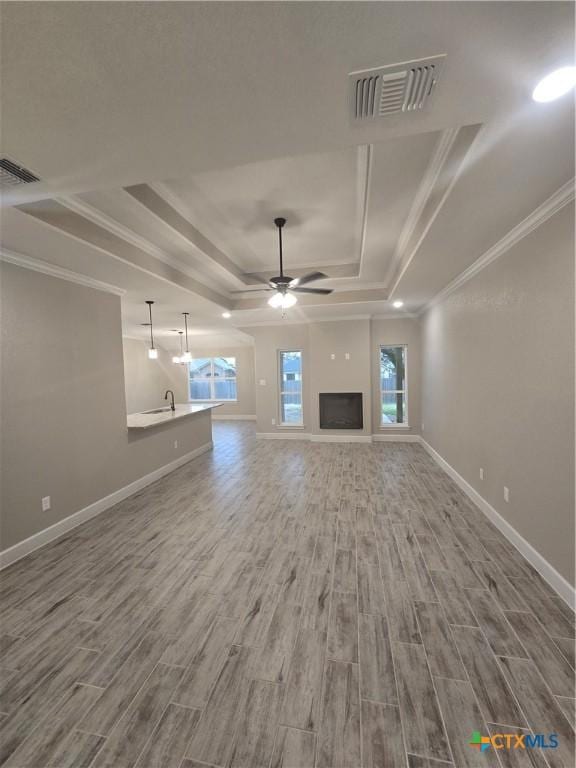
284,286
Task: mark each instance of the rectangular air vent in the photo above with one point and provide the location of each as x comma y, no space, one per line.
393,89
12,174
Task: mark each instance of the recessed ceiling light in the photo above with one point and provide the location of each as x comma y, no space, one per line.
555,84
226,315
398,304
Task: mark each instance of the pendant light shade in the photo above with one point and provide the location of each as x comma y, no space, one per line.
178,358
152,352
186,357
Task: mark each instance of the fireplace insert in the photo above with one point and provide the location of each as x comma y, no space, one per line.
341,410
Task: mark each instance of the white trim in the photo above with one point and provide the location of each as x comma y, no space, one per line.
544,568
341,438
283,435
403,425
288,424
330,319
234,417
37,265
548,208
391,438
365,194
398,315
37,540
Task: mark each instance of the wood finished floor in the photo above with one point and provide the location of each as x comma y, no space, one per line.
283,604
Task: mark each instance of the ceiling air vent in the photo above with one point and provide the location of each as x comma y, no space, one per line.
12,174
393,89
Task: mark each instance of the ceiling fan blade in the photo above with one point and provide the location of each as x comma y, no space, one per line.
322,291
310,277
252,290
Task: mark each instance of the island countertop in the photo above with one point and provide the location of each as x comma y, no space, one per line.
159,416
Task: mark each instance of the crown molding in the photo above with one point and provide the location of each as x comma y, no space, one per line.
548,208
454,157
368,151
427,185
125,233
37,265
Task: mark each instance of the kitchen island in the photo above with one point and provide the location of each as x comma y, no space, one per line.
164,416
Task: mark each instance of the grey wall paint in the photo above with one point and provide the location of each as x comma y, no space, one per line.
338,339
498,386
319,341
63,409
146,380
246,403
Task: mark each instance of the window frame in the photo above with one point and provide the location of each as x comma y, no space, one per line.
279,422
404,424
212,380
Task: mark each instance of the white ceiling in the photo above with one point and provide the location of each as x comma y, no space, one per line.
169,135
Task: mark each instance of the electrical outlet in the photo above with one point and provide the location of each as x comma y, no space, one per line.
481,474
273,422
506,494
262,382
46,503
175,443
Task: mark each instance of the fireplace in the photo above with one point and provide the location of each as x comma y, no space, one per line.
341,410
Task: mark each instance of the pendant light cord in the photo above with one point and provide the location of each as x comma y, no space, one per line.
151,331
186,327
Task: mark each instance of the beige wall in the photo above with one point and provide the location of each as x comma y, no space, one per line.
498,386
147,380
246,403
63,408
391,332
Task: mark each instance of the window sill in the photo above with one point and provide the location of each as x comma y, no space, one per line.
384,427
290,426
213,401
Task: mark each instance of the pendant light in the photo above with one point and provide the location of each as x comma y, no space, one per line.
152,352
178,358
186,357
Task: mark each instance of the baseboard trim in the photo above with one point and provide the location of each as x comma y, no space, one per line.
283,435
234,417
341,438
392,438
544,568
37,540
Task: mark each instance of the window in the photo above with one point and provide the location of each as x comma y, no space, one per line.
394,406
290,362
213,378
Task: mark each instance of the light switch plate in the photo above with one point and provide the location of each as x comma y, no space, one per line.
262,382
45,503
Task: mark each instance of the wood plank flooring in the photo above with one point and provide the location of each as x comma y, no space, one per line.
283,604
